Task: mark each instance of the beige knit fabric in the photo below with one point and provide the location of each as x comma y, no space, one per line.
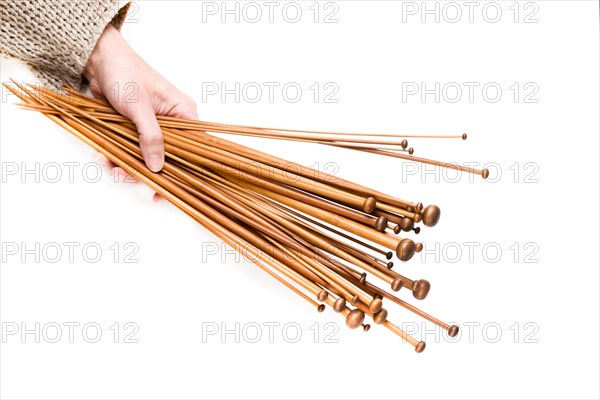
56,37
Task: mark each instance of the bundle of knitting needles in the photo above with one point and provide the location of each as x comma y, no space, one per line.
323,237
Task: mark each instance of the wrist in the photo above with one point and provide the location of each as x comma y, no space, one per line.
109,39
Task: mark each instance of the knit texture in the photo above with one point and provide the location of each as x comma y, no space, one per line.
56,37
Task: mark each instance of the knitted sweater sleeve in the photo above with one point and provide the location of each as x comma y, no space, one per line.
56,37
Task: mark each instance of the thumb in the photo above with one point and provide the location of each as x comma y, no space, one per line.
151,137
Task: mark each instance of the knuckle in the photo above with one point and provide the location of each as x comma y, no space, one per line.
185,102
190,107
151,139
130,109
191,103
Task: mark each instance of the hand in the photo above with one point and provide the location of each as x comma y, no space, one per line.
112,65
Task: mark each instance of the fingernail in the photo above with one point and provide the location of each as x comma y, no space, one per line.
155,162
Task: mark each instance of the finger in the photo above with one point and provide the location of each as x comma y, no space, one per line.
121,175
103,161
151,137
115,171
157,198
185,108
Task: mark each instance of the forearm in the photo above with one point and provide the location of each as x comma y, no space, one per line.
65,41
56,37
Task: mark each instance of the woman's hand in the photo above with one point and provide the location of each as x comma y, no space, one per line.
137,91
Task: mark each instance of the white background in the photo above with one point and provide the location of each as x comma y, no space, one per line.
371,54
